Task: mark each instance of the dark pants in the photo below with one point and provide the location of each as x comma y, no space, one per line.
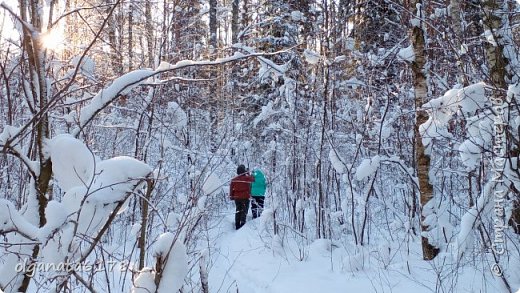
257,206
241,213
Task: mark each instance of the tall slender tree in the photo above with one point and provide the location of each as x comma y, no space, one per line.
418,39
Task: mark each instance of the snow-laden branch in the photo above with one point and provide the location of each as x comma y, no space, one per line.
170,268
58,95
119,86
130,80
29,27
441,110
471,219
281,69
10,146
12,221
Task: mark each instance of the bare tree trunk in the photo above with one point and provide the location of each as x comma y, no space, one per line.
130,35
514,221
203,275
36,59
495,51
213,27
234,21
323,196
495,21
246,18
113,42
144,222
149,33
213,23
366,212
421,92
456,19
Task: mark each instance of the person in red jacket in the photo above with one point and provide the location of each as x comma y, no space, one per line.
240,192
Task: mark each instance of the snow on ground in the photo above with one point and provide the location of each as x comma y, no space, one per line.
251,260
245,262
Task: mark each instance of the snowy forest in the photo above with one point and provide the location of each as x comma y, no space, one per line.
388,132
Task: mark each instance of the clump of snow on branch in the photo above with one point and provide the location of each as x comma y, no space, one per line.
441,110
367,167
336,162
72,161
470,152
117,176
311,57
407,54
267,66
145,281
165,66
297,16
178,116
175,268
468,99
120,85
87,66
93,188
212,184
354,83
57,234
73,197
267,111
11,219
7,133
114,179
490,38
470,221
57,215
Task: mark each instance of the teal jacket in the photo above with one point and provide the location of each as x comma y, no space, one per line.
258,186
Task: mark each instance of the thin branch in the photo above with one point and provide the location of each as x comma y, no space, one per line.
82,281
107,224
78,9
54,100
166,68
25,160
25,24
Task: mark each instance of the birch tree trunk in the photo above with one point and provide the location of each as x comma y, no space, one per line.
456,19
494,47
421,92
501,70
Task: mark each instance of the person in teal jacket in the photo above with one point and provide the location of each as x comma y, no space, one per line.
258,193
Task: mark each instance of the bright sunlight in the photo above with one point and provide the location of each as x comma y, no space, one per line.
53,39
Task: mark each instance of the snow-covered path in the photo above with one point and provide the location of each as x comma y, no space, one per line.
249,260
240,260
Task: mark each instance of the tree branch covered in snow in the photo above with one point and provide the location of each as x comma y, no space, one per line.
132,79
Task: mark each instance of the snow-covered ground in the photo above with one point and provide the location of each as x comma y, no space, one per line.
252,260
